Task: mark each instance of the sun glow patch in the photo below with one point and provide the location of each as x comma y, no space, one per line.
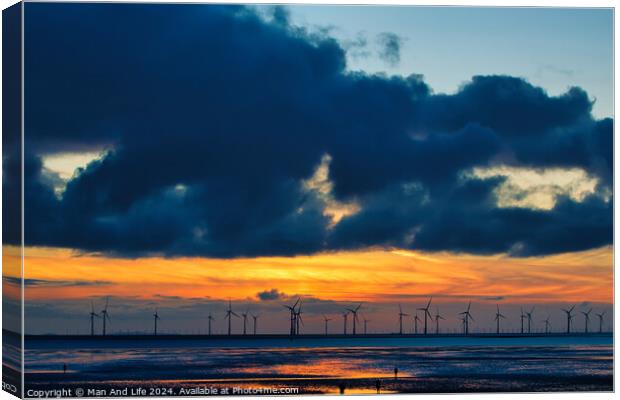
61,167
65,164
537,188
320,184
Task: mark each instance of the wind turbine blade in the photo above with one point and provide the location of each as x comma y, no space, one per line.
429,302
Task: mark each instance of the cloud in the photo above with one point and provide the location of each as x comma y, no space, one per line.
357,47
52,283
273,294
215,130
390,47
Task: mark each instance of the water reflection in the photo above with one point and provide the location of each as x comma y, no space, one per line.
324,369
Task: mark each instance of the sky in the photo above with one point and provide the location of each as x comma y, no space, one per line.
341,155
552,47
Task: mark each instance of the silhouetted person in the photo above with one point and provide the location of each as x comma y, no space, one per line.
395,373
64,368
378,386
342,387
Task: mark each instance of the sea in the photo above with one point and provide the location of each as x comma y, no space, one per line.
186,366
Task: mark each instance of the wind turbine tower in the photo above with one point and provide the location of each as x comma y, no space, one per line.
427,314
437,318
245,321
401,314
255,318
547,324
210,319
354,316
366,321
298,318
229,314
498,316
466,317
600,321
529,320
326,323
104,315
587,319
155,318
93,314
293,316
569,317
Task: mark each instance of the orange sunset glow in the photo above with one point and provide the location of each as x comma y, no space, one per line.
369,276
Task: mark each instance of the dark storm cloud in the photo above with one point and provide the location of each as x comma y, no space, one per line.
273,294
213,128
390,44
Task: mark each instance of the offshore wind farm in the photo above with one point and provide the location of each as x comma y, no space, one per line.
248,329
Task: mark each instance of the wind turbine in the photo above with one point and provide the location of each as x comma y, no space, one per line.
401,314
210,318
437,318
245,320
298,318
522,318
229,314
326,321
600,321
498,316
587,319
93,314
416,319
529,320
466,317
345,315
104,314
293,315
255,318
366,321
547,324
569,317
355,319
427,314
155,317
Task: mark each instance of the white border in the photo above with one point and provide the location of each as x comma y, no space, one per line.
483,3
